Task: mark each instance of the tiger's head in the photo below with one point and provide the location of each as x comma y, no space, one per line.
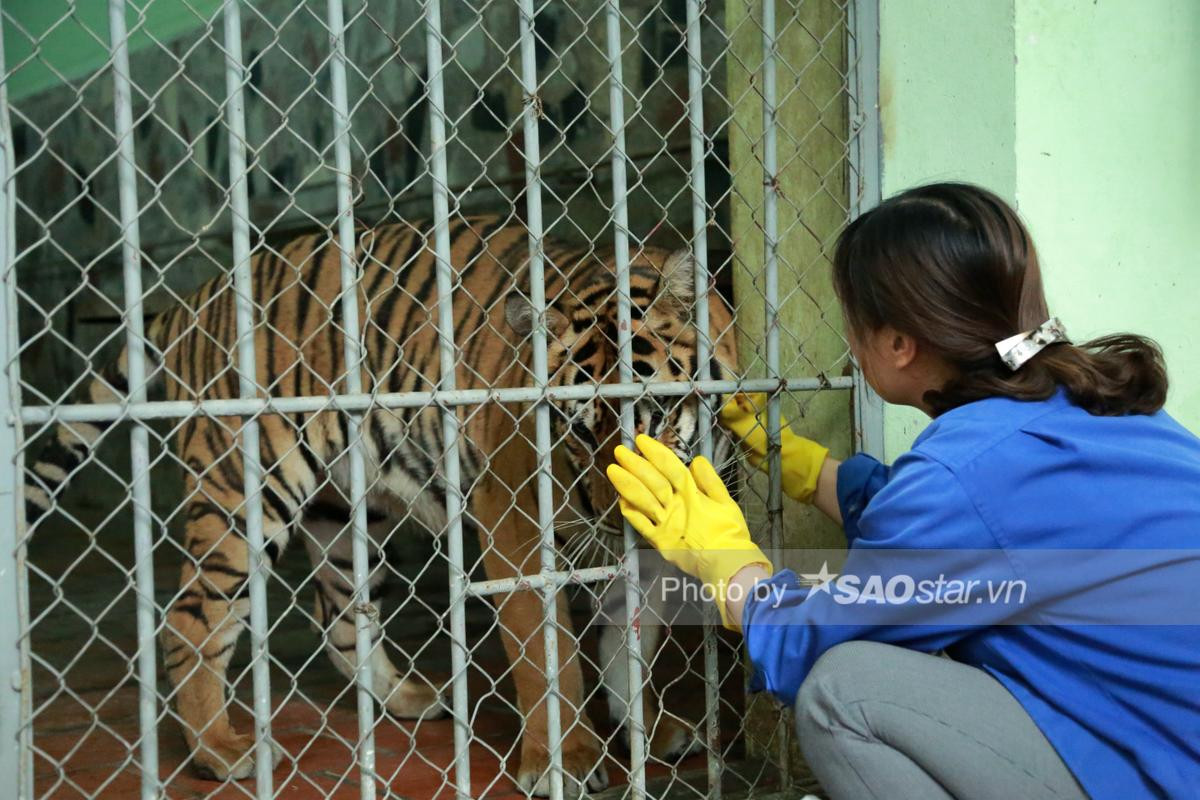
581,320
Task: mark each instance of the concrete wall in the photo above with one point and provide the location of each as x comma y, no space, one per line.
1087,114
811,209
812,200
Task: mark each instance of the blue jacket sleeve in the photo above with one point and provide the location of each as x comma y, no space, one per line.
859,478
918,536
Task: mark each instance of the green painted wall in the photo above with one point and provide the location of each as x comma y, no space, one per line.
946,99
811,209
1087,115
1108,170
45,41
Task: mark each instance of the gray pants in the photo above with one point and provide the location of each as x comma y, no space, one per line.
878,721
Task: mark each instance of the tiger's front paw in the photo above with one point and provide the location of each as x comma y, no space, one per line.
229,756
414,698
582,765
671,738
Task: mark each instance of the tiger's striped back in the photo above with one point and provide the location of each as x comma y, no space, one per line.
299,352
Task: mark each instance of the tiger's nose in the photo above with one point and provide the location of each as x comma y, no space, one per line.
679,448
675,445
684,448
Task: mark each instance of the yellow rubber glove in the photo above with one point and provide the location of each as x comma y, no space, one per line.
687,514
745,415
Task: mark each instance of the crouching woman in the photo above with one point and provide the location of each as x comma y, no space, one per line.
1049,467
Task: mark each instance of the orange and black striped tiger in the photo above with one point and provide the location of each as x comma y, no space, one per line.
299,352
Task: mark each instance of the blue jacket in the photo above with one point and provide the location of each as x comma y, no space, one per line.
1096,519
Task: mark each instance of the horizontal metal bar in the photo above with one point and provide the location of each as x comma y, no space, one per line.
558,579
180,409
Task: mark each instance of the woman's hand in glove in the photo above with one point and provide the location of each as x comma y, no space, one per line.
745,415
687,514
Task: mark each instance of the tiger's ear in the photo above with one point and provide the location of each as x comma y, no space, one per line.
679,277
518,313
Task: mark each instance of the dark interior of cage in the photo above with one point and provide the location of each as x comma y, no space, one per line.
83,636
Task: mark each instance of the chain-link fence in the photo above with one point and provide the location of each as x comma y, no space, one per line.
385,282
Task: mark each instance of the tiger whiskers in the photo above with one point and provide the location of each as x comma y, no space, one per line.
587,543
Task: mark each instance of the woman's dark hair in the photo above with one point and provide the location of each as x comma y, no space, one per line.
953,266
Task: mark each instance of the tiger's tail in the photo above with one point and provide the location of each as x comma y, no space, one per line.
71,443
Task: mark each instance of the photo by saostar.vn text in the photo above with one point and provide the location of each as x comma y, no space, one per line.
982,588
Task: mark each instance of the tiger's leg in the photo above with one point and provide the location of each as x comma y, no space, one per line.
671,737
510,548
210,610
327,539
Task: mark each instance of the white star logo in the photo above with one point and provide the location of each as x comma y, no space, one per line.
821,580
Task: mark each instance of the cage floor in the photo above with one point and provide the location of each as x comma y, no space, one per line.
85,696
96,763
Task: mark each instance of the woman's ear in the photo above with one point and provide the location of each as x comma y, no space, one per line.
899,348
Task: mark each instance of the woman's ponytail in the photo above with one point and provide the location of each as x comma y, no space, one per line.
1122,373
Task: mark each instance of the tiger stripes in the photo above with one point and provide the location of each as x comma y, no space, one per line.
299,351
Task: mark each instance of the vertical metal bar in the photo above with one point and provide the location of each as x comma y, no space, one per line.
139,440
239,203
865,190
545,480
771,317
863,81
633,589
16,754
712,730
352,348
447,354
699,214
771,267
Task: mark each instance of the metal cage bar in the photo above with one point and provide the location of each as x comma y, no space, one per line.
633,590
16,730
447,353
542,443
139,436
179,409
247,369
557,578
352,349
771,268
864,157
697,152
771,317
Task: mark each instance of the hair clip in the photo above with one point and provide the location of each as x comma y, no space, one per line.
1016,350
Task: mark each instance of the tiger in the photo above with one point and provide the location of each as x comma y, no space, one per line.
299,351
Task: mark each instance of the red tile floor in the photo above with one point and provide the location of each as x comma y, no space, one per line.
85,698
